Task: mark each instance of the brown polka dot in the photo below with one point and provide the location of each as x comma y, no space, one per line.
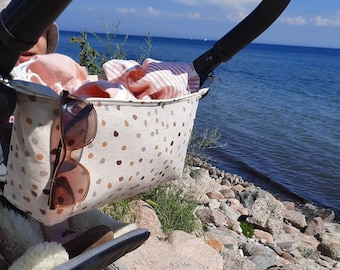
138,135
102,161
99,181
42,211
109,185
59,211
131,163
90,155
118,108
121,179
119,162
34,187
34,193
126,123
40,156
29,120
103,123
130,178
115,133
151,161
99,103
32,98
123,148
134,117
104,144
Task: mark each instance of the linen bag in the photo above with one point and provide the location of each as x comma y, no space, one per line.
138,145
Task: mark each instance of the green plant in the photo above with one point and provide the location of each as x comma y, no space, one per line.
119,210
247,229
93,60
174,210
199,143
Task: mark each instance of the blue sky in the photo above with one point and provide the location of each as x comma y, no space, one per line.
304,22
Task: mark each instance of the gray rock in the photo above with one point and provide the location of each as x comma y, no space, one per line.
229,211
267,213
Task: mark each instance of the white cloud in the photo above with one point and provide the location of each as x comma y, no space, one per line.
126,10
153,12
299,20
325,22
194,16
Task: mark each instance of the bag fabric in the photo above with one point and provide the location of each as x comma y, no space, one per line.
138,145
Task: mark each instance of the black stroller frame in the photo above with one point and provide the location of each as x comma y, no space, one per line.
22,23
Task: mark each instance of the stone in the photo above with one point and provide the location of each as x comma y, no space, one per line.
218,218
214,204
290,229
145,217
297,219
263,236
215,244
267,213
215,195
330,245
229,211
232,260
289,205
228,193
315,226
179,250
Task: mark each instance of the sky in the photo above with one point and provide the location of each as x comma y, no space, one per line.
313,23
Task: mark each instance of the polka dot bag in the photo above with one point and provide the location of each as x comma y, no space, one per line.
137,146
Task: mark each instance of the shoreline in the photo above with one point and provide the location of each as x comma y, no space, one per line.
273,187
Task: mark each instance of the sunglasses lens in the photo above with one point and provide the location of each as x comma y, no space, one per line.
79,123
70,185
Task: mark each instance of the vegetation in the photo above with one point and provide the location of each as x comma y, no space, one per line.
93,60
247,229
174,209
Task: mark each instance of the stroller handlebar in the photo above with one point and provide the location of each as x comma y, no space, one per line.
22,22
240,36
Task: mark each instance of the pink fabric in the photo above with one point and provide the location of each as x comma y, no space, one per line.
126,79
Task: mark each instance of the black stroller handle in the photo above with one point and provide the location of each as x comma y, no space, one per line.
240,36
22,22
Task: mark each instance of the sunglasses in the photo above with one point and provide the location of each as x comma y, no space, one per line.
70,179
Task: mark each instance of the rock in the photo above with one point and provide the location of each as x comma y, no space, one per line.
297,219
218,218
179,251
214,204
315,226
145,217
290,229
267,213
289,205
227,239
232,260
248,197
330,245
263,257
229,211
215,195
228,193
215,244
263,236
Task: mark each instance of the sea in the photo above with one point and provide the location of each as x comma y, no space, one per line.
276,108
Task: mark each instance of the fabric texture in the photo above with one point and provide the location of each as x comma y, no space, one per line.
139,143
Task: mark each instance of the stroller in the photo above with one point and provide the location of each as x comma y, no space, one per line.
21,24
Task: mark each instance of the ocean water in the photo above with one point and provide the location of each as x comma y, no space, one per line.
277,109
